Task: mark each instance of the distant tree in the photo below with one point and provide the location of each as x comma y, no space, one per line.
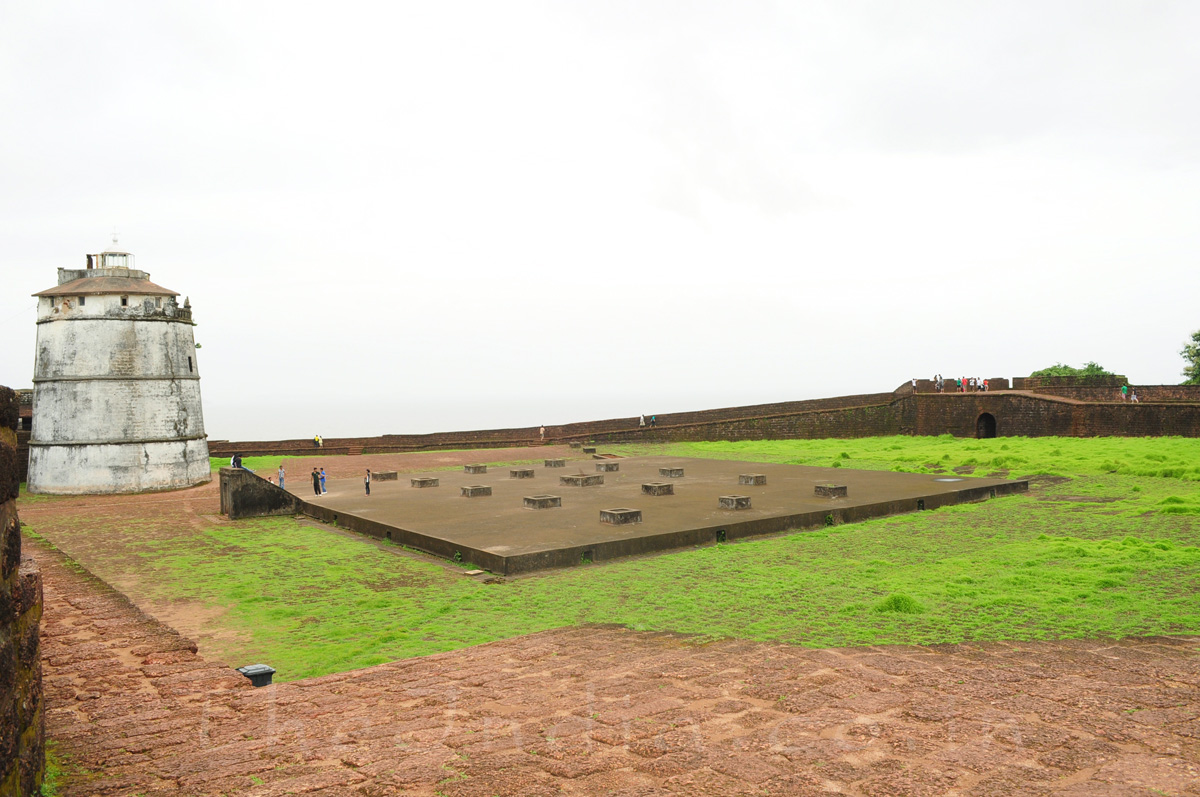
1191,353
1088,369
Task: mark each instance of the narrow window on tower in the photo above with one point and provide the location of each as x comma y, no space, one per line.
124,301
189,365
81,302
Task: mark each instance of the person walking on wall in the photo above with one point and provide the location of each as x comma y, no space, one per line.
653,421
316,441
1133,397
281,477
542,433
1124,392
316,480
367,481
323,490
641,421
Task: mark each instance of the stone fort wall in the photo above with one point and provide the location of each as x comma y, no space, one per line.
1038,408
22,710
1163,410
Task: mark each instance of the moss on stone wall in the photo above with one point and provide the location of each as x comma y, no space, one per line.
22,707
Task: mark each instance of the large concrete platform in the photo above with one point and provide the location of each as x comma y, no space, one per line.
498,533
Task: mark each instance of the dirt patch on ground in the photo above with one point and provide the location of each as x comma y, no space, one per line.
1041,481
1081,499
601,710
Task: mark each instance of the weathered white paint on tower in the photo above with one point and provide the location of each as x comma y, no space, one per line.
116,393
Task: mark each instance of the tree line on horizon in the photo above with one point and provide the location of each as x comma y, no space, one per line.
1191,370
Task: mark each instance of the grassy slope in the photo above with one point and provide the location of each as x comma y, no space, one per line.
1111,552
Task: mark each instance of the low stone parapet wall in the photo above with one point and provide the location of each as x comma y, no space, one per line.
246,494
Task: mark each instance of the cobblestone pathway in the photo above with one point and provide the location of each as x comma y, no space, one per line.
599,710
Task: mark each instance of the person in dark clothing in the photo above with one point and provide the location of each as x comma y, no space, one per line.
367,481
316,480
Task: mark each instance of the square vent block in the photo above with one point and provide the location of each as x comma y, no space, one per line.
542,501
620,517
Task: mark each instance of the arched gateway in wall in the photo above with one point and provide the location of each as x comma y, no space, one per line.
985,425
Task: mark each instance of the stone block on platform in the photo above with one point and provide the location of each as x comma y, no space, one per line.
752,478
830,491
542,501
424,481
581,480
620,517
476,491
658,488
735,501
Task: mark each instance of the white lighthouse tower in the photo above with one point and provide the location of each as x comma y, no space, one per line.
116,386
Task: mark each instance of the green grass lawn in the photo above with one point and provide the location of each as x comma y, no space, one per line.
1110,552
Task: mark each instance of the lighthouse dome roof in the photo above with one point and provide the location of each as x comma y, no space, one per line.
92,286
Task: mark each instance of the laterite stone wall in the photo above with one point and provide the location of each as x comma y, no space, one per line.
22,709
1063,406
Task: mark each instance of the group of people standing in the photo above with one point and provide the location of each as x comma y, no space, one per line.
318,480
317,475
964,384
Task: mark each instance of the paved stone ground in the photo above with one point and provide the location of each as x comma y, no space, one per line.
599,710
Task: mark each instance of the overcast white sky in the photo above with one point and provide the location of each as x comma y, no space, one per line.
420,216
